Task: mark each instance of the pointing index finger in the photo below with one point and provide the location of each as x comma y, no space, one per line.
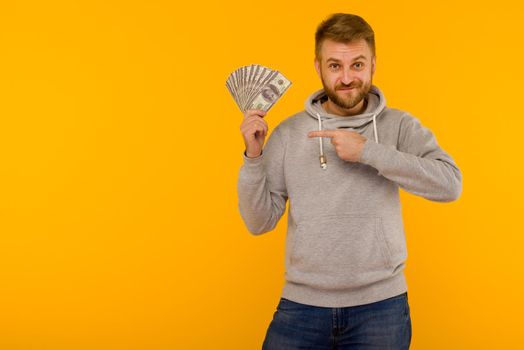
322,133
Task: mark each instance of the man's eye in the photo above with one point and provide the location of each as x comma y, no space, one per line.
358,65
333,66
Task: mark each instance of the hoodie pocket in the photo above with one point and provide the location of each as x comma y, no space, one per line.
341,250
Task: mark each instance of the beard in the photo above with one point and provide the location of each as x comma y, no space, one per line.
351,99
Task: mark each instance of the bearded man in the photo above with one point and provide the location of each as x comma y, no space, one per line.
341,162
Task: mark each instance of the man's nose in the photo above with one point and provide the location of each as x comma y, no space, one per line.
346,76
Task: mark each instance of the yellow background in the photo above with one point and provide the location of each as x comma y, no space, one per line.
120,149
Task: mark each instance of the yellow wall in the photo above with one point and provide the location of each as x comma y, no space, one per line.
120,148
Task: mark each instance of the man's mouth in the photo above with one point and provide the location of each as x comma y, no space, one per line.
346,88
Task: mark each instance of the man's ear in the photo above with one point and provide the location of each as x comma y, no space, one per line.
374,65
317,66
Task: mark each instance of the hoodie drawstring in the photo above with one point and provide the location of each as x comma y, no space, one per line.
323,162
322,157
375,128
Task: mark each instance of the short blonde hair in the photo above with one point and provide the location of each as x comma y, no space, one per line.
344,28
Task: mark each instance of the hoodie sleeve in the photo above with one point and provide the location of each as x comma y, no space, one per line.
262,193
418,164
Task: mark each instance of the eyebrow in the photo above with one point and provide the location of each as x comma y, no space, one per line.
354,59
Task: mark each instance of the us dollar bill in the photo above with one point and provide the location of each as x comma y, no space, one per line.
270,93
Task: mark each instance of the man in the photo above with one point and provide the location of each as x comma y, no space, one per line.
345,244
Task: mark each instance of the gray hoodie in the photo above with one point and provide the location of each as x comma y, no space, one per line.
345,242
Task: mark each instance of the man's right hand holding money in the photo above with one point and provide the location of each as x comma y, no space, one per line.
254,130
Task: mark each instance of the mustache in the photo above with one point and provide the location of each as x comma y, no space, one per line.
350,86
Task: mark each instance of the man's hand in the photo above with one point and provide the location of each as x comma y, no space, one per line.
254,130
348,144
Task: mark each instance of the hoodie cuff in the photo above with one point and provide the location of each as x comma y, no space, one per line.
252,170
252,159
372,153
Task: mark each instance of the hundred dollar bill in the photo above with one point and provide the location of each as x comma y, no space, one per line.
265,77
270,93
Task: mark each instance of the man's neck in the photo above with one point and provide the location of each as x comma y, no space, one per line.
332,108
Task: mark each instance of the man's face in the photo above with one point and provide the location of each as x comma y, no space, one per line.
346,71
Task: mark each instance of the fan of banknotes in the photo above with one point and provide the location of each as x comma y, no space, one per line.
256,87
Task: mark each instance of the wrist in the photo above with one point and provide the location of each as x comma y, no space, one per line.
250,155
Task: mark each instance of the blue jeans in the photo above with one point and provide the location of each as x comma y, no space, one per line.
383,325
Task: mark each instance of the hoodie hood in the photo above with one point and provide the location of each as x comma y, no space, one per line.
376,103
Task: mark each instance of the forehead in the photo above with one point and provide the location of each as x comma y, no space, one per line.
342,51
